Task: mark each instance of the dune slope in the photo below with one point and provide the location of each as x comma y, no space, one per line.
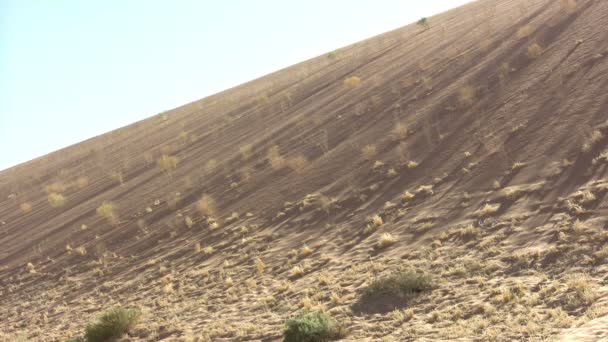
474,150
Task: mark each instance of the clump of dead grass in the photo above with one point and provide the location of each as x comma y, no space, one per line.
206,206
534,51
107,211
352,82
368,152
56,200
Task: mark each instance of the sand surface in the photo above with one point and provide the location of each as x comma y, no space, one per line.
480,143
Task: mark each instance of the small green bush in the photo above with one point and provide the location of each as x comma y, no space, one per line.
313,327
424,22
111,325
403,284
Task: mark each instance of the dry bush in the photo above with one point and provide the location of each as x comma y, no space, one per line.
299,164
386,240
277,162
535,51
259,266
524,31
399,132
211,165
487,210
377,221
246,151
107,211
189,222
408,196
466,96
206,206
168,163
26,208
596,137
306,251
296,271
56,200
352,82
82,182
116,176
368,152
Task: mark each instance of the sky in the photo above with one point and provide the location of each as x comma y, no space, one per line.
74,69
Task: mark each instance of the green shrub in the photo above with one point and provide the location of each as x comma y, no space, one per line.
424,22
403,284
111,325
312,327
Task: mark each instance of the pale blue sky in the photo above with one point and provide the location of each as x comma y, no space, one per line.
73,69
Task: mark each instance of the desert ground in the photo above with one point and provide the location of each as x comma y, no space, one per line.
474,150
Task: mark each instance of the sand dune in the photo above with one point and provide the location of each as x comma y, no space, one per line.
478,146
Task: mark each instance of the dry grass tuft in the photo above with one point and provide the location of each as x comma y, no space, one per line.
306,251
534,51
296,271
277,162
352,82
399,132
596,137
524,31
377,220
368,152
206,206
246,151
107,211
168,163
259,266
26,208
408,196
386,239
56,200
487,210
298,164
466,96
82,182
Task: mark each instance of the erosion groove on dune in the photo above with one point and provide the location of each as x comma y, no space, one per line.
470,148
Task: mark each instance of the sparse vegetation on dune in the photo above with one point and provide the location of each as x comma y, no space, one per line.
168,163
112,325
56,200
403,284
427,184
107,211
352,82
313,327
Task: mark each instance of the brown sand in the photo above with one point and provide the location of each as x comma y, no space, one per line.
501,142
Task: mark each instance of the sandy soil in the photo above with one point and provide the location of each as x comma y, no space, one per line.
480,143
